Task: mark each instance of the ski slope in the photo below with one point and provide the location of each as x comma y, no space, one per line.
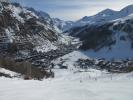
91,85
70,84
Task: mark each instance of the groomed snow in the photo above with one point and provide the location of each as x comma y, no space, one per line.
120,87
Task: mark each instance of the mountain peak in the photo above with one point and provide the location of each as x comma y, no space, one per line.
85,18
107,11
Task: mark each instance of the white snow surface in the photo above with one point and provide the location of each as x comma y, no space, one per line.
70,84
5,71
70,59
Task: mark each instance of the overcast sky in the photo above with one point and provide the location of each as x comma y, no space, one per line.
74,9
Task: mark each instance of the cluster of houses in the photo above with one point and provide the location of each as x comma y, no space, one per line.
111,66
43,59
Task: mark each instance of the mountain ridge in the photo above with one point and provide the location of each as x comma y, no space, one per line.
107,37
99,18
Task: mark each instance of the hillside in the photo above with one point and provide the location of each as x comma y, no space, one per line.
111,38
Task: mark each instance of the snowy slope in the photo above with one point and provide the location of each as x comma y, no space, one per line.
121,49
111,40
119,87
70,84
24,25
5,71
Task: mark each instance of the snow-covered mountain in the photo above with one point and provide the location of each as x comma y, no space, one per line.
100,18
105,16
22,26
108,34
29,39
63,25
45,17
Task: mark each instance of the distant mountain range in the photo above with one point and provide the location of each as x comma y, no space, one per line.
107,34
100,18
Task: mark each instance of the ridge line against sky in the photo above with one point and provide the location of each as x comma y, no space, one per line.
74,9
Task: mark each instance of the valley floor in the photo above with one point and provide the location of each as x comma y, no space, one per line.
91,85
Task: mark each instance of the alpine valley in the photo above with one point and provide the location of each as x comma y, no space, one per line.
91,58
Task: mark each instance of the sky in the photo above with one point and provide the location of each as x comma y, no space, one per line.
74,9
